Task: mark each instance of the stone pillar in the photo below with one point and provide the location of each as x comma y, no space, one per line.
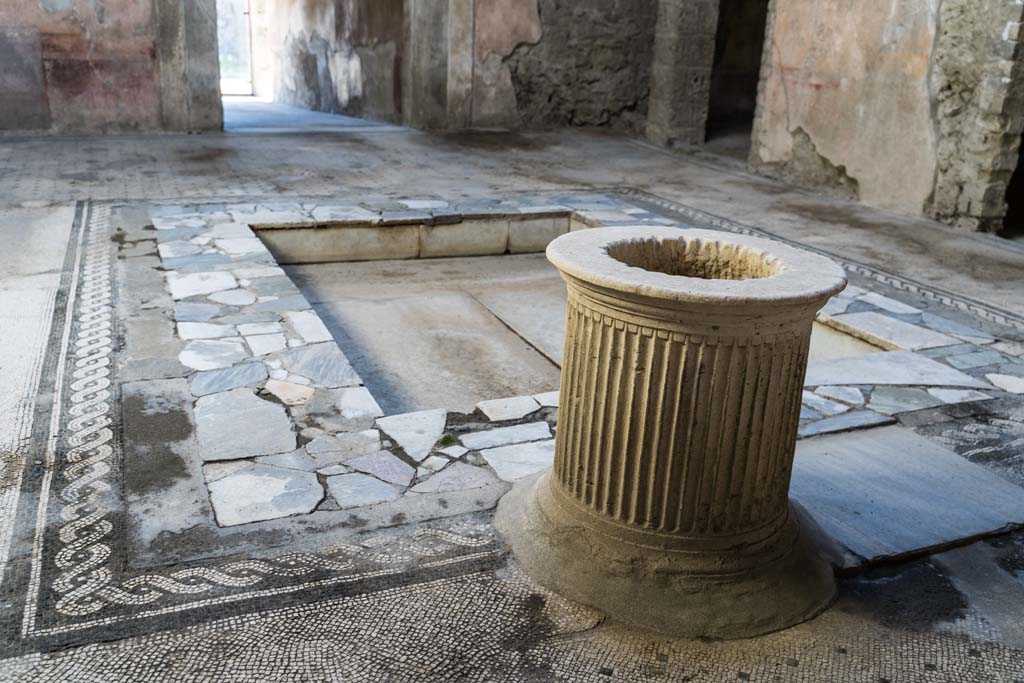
186,48
668,504
684,52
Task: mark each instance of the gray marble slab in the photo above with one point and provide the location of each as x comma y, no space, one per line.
239,424
520,460
888,492
215,381
892,368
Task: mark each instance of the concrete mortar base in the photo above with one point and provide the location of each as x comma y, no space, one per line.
658,590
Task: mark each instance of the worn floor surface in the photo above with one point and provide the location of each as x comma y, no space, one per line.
438,600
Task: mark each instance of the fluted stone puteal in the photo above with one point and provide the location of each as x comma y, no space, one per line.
668,505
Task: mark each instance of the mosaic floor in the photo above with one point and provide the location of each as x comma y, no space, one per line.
210,491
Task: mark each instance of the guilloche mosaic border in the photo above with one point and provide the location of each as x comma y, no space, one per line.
75,586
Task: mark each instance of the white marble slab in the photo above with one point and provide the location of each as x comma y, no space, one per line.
512,408
520,460
891,367
891,333
415,432
533,431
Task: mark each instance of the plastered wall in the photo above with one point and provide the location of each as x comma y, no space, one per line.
108,65
913,106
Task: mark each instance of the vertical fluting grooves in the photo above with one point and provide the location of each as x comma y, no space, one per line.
677,433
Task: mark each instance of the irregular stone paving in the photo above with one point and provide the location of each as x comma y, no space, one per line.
278,400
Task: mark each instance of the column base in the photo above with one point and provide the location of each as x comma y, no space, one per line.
659,590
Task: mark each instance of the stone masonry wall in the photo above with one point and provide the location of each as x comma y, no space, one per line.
919,110
589,66
978,86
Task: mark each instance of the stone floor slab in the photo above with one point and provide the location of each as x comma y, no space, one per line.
892,368
892,333
533,431
888,492
415,432
385,466
356,490
239,424
520,460
261,492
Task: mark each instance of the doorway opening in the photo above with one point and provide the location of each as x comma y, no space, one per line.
739,42
1013,222
234,47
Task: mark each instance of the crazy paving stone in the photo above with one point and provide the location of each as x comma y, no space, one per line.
256,272
893,333
260,492
958,395
283,304
851,395
289,393
212,471
343,409
344,214
508,408
215,381
238,246
228,231
296,460
547,400
357,490
855,419
195,311
453,451
978,359
822,404
334,450
532,431
262,344
891,367
434,463
233,297
886,303
889,400
1010,383
204,330
177,248
249,329
210,354
415,432
183,286
520,460
309,326
968,334
808,414
239,424
322,363
385,466
456,477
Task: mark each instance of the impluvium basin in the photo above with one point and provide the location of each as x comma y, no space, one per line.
668,504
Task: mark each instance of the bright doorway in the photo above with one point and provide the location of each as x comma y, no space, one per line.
234,47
